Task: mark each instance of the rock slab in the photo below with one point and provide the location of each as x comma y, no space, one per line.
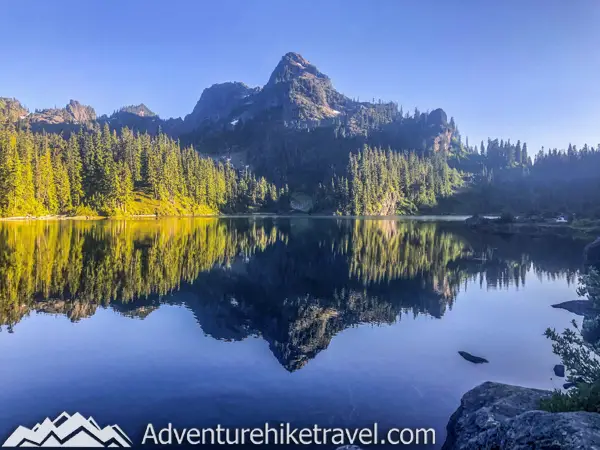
499,416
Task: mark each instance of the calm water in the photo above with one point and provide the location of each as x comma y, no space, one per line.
241,321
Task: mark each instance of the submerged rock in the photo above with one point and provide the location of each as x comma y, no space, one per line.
579,307
559,370
472,358
499,416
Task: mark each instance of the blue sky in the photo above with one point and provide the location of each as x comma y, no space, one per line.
519,69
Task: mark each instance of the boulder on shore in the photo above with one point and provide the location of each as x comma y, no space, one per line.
499,416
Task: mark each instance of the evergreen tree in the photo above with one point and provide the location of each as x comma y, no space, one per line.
44,181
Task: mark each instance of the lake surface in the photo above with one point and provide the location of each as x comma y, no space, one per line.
239,321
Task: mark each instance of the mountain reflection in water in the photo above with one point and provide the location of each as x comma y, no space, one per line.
294,282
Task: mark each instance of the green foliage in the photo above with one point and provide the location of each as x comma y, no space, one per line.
103,172
386,183
559,183
583,397
84,211
590,287
580,357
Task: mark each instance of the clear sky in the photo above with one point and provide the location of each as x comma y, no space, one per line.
519,69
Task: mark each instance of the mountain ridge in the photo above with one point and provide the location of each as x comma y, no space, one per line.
295,130
303,95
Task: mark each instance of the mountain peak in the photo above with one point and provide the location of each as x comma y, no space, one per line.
139,110
293,65
295,58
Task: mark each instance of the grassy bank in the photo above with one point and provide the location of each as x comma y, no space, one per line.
143,205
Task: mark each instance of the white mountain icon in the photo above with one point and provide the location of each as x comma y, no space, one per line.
68,431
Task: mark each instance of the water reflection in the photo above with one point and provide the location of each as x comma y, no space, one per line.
294,282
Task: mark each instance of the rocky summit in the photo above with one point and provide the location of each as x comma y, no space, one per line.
296,95
73,113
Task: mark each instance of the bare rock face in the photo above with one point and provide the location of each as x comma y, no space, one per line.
73,113
500,416
219,102
80,113
301,202
11,110
302,91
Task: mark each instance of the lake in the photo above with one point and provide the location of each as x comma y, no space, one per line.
239,321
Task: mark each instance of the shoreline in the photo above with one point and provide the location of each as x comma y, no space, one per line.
290,215
536,229
91,218
531,229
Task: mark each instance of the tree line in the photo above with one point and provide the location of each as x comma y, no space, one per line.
102,172
384,182
72,268
76,267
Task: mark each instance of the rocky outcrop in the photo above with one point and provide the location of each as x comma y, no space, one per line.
499,416
578,307
140,110
301,202
11,110
76,112
56,120
302,92
220,102
74,310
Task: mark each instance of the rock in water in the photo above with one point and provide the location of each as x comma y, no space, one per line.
499,416
472,358
579,307
559,370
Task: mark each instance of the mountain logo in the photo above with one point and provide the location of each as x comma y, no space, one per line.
68,431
